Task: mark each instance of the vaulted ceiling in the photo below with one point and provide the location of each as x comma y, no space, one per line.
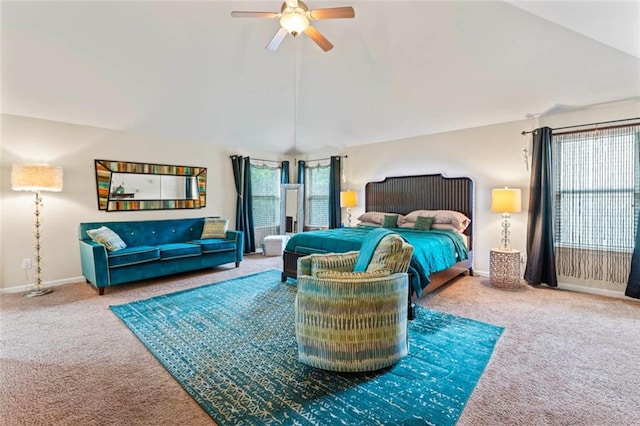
186,70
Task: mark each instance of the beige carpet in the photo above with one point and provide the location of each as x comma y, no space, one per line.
564,358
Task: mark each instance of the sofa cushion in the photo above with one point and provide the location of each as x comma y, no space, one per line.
177,250
211,245
214,227
133,255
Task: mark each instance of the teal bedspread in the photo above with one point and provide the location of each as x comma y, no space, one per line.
434,250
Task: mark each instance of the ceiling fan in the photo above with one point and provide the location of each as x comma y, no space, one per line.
294,19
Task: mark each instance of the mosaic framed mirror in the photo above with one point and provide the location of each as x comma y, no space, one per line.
124,185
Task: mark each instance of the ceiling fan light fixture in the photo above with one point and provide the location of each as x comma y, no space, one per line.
294,21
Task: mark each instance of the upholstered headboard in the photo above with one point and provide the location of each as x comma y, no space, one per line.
404,194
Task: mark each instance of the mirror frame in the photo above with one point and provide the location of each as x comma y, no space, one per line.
299,207
105,168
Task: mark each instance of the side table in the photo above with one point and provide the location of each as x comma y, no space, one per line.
504,266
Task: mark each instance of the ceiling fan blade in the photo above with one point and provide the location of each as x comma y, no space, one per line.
277,39
237,14
292,3
320,40
333,13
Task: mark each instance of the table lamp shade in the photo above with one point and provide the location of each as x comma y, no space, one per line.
348,199
36,177
506,200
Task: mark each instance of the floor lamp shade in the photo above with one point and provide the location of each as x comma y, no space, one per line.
36,177
506,201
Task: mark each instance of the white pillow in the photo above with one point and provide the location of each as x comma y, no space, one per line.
378,217
107,238
442,217
369,224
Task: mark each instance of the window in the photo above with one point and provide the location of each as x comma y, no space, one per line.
265,189
597,188
317,195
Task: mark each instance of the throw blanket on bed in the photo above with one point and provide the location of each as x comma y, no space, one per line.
368,247
433,250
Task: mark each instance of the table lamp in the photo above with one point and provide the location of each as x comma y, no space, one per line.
506,201
348,199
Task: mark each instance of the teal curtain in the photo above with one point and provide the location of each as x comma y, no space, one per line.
301,170
541,257
334,193
244,207
633,285
284,175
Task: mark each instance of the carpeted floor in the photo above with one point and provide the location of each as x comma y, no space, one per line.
564,358
232,346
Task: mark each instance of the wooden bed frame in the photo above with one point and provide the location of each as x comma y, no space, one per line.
404,194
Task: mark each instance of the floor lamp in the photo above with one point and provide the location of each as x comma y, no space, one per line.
506,201
348,199
36,178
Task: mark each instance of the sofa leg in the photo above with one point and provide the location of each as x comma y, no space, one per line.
237,264
101,291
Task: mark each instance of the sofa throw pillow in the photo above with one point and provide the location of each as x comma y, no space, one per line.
424,223
106,237
214,227
390,221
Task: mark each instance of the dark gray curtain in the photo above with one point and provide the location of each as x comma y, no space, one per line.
249,233
236,164
334,193
633,285
541,258
284,175
301,169
244,207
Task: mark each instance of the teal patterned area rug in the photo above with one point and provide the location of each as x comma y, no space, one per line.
232,347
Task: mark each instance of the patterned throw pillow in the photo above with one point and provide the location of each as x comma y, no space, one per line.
214,227
380,273
341,262
424,223
390,221
107,238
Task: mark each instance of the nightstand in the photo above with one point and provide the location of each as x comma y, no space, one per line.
504,266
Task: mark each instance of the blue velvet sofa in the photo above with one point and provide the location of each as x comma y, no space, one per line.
154,248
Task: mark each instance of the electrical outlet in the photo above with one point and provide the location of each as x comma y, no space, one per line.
26,263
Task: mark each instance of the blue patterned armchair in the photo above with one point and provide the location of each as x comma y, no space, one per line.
351,308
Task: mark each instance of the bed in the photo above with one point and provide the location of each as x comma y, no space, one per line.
403,195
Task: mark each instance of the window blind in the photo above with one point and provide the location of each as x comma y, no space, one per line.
597,197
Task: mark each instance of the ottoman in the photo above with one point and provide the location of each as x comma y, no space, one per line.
273,245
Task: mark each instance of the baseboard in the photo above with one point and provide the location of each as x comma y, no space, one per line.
47,284
578,289
597,291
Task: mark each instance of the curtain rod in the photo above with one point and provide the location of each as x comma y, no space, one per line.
257,159
329,158
524,132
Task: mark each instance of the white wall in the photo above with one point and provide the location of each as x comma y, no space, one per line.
75,148
492,156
